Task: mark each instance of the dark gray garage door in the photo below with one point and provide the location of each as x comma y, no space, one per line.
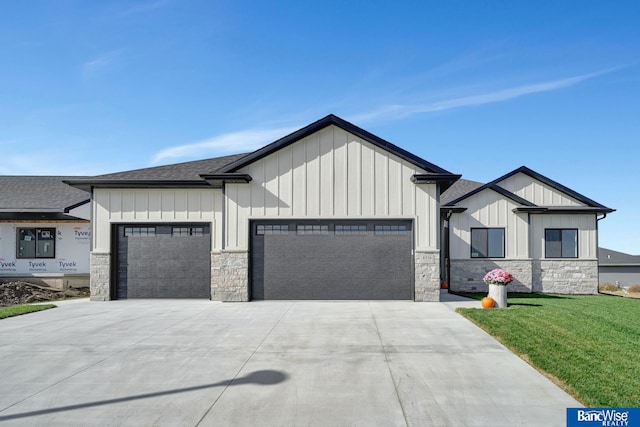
339,260
163,261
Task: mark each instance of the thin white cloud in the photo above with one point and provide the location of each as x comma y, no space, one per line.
400,111
25,165
228,143
252,139
100,64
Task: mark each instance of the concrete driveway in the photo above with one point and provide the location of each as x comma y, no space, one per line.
190,362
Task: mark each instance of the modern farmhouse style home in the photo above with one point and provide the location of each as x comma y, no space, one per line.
331,211
328,212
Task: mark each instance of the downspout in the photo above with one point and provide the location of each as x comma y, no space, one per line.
530,251
224,216
447,259
598,246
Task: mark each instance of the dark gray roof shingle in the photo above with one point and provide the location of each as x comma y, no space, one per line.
185,171
47,193
611,257
458,189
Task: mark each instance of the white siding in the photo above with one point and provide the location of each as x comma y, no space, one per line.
587,236
331,174
489,209
537,192
82,211
151,205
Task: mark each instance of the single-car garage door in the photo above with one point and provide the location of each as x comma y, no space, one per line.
338,260
163,261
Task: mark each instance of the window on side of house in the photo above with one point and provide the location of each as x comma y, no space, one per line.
487,243
561,243
36,243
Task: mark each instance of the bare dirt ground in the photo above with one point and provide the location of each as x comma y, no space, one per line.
12,293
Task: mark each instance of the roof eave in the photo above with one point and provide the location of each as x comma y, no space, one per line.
88,185
562,210
452,209
217,180
445,180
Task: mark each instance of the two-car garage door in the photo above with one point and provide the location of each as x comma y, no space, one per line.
332,260
289,260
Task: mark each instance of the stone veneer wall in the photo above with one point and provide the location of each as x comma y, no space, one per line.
467,274
567,276
230,276
100,272
427,276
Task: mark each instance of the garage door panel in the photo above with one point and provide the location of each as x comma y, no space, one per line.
163,265
332,266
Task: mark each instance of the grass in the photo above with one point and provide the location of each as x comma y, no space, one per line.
17,310
587,344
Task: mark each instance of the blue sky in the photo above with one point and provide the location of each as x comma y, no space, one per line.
478,88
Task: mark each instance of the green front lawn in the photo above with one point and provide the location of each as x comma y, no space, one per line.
17,310
589,344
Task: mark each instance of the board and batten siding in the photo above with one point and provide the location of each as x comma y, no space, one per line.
489,209
154,205
537,192
587,235
331,174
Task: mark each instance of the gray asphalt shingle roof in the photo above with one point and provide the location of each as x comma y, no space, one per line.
46,193
458,189
185,171
611,257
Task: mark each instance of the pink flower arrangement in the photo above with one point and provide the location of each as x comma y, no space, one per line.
498,277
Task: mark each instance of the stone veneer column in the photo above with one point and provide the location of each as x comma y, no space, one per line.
427,276
100,276
567,276
230,276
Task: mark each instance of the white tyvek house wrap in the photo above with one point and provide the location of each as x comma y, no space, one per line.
73,242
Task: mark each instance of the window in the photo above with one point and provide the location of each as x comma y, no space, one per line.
487,243
139,231
312,229
351,230
390,229
187,231
561,243
36,243
272,229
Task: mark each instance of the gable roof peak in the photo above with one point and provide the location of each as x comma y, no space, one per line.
551,183
492,186
331,119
